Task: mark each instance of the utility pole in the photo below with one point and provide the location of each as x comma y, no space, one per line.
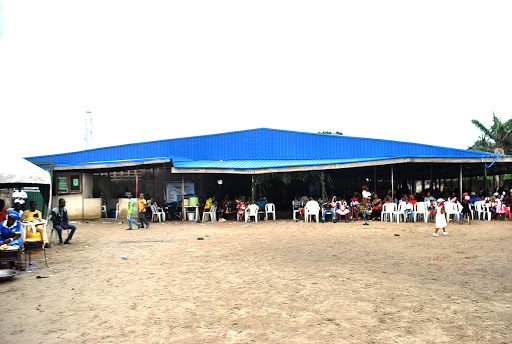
88,128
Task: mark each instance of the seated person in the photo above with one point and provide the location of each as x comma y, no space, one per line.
328,209
342,210
10,230
366,208
3,211
428,198
208,203
356,207
241,205
60,221
17,208
432,209
33,214
376,207
261,203
412,201
408,209
474,198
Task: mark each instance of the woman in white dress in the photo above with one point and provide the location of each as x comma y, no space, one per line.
440,217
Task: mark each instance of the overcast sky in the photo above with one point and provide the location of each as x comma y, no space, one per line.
415,71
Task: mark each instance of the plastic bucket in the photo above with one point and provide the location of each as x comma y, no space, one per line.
186,202
191,216
193,201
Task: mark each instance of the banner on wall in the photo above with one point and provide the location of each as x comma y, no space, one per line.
173,191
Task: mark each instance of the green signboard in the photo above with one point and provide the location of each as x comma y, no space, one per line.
62,183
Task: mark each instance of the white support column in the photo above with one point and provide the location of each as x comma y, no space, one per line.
183,198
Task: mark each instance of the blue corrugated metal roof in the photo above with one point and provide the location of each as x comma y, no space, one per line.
257,164
277,147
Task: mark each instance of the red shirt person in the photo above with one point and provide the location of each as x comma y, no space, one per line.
3,211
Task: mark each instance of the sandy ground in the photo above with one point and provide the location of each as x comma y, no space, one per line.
271,282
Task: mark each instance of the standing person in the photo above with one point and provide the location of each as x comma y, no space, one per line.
466,210
131,210
366,193
440,217
19,196
60,221
142,211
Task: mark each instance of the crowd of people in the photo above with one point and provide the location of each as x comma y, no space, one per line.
11,221
368,206
226,208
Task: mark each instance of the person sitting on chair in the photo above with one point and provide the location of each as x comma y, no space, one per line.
32,214
60,221
409,209
328,209
3,211
10,230
261,203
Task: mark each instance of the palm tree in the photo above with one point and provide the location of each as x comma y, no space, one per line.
496,138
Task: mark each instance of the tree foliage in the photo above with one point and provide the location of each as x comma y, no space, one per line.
496,138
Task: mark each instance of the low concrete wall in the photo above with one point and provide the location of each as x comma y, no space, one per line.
92,206
123,209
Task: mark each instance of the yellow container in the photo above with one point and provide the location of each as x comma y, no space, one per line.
194,201
186,202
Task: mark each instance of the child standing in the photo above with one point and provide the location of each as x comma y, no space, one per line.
466,210
440,217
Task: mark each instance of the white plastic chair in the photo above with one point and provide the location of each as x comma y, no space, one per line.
482,212
312,209
57,234
388,212
157,214
117,210
210,215
251,211
270,208
400,212
451,209
295,209
421,209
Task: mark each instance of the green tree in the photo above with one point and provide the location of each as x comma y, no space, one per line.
496,138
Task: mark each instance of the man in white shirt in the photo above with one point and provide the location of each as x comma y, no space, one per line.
366,193
20,197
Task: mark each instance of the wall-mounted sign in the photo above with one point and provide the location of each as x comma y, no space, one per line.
173,191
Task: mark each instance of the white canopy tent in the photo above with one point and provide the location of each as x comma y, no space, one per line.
18,172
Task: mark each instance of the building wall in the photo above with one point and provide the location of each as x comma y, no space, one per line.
6,195
92,206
